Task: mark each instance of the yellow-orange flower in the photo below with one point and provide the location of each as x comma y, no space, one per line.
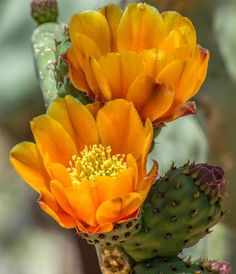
90,171
140,55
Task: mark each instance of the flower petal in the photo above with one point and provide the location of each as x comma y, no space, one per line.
154,61
141,27
75,71
54,143
113,15
109,187
94,25
28,163
82,204
48,203
183,75
150,98
60,173
76,119
60,196
120,126
118,208
125,68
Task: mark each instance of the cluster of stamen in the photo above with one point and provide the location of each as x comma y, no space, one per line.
94,161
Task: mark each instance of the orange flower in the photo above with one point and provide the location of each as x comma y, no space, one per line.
149,58
90,171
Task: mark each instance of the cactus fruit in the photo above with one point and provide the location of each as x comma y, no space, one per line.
120,234
168,266
179,211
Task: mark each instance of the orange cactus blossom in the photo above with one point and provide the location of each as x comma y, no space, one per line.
141,55
90,171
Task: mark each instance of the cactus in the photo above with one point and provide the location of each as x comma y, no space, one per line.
167,266
179,211
120,234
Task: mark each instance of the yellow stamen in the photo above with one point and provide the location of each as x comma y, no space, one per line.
94,161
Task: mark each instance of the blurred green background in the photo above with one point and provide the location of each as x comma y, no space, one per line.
30,241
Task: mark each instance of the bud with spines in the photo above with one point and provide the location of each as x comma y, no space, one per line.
44,11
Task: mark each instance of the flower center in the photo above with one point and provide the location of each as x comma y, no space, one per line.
94,161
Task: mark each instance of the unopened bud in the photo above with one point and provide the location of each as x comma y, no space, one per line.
44,11
211,178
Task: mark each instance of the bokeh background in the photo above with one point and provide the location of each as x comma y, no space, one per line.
30,241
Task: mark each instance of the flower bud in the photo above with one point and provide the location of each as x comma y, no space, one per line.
210,178
220,267
44,11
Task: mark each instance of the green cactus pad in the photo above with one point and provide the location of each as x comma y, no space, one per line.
168,266
176,214
120,234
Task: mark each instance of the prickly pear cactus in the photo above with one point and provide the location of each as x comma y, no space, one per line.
178,212
120,234
167,266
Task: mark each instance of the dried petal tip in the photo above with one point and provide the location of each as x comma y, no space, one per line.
210,176
220,267
44,11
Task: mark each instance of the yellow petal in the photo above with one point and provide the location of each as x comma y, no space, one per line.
113,15
150,98
76,119
28,163
94,25
125,68
54,143
120,126
48,203
117,209
141,27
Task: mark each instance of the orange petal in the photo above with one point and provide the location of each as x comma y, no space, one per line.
120,126
118,208
60,173
76,119
54,143
113,15
99,81
94,108
154,61
147,182
141,27
60,196
150,98
83,123
183,76
48,203
109,187
180,31
125,68
147,146
82,204
28,163
94,25
82,50
183,110
75,73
